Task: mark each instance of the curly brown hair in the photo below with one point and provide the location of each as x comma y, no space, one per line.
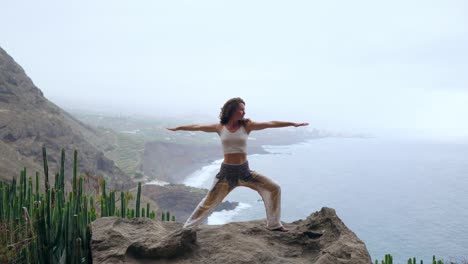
228,110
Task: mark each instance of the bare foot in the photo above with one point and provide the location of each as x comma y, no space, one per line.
281,229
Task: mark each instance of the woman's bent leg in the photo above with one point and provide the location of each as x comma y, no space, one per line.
212,199
271,195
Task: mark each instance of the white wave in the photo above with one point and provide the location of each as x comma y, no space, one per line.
131,131
157,182
224,216
285,149
202,178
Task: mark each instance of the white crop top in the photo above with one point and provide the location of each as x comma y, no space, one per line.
234,142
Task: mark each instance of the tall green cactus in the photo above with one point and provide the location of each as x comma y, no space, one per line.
122,205
138,201
1,202
37,186
388,259
46,168
29,199
103,199
75,169
61,183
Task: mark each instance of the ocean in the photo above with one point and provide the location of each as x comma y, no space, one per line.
409,199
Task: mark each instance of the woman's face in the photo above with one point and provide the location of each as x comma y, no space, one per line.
239,113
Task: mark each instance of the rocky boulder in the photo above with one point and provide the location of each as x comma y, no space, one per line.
322,238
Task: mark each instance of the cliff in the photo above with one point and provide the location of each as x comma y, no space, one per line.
322,238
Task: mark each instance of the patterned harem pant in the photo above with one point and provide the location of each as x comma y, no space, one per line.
229,177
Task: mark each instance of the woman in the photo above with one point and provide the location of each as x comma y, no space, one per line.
233,130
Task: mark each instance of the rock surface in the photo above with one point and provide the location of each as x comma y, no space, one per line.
322,238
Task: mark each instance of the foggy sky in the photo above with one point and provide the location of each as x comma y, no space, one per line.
393,68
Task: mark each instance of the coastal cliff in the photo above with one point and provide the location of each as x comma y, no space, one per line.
322,238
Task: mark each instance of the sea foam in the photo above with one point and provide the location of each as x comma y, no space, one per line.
202,178
224,216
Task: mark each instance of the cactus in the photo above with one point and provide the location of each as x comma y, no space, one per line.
37,186
61,183
138,200
30,196
77,251
55,223
122,205
103,199
75,169
1,201
389,259
46,168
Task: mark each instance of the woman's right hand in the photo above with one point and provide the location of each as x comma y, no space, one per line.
300,124
172,129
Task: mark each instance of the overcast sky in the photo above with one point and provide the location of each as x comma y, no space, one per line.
390,68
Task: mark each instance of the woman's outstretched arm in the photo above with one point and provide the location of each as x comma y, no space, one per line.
272,124
204,128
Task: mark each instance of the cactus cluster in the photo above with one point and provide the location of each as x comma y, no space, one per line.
166,216
54,226
388,259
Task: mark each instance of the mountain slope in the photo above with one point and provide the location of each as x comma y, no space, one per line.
29,121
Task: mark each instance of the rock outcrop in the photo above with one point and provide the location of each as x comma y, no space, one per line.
322,238
28,121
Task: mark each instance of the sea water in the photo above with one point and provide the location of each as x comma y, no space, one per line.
409,199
